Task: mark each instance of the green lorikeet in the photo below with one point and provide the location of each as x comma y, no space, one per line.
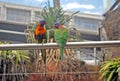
61,36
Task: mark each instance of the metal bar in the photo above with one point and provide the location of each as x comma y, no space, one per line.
95,56
55,45
13,32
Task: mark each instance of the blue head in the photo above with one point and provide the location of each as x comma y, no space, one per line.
42,23
56,25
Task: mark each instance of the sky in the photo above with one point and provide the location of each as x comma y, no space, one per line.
85,6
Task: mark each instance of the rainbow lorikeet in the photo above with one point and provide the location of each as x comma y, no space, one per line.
40,36
40,31
61,36
50,32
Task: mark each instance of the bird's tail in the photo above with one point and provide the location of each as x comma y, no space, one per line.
43,51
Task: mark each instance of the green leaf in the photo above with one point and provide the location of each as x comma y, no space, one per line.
110,70
105,66
111,75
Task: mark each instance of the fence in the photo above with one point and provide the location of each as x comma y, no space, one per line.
73,71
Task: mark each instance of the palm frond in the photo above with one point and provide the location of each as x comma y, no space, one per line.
110,70
52,15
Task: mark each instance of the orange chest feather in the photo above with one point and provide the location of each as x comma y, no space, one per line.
40,30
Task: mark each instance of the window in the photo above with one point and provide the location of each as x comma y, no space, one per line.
37,16
0,11
86,23
18,15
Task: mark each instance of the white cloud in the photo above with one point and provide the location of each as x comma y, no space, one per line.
98,13
76,5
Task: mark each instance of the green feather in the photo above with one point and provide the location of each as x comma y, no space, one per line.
61,36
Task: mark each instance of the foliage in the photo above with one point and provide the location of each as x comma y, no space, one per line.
52,15
13,61
50,34
74,35
110,70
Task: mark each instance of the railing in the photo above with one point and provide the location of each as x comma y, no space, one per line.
71,45
55,45
84,75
